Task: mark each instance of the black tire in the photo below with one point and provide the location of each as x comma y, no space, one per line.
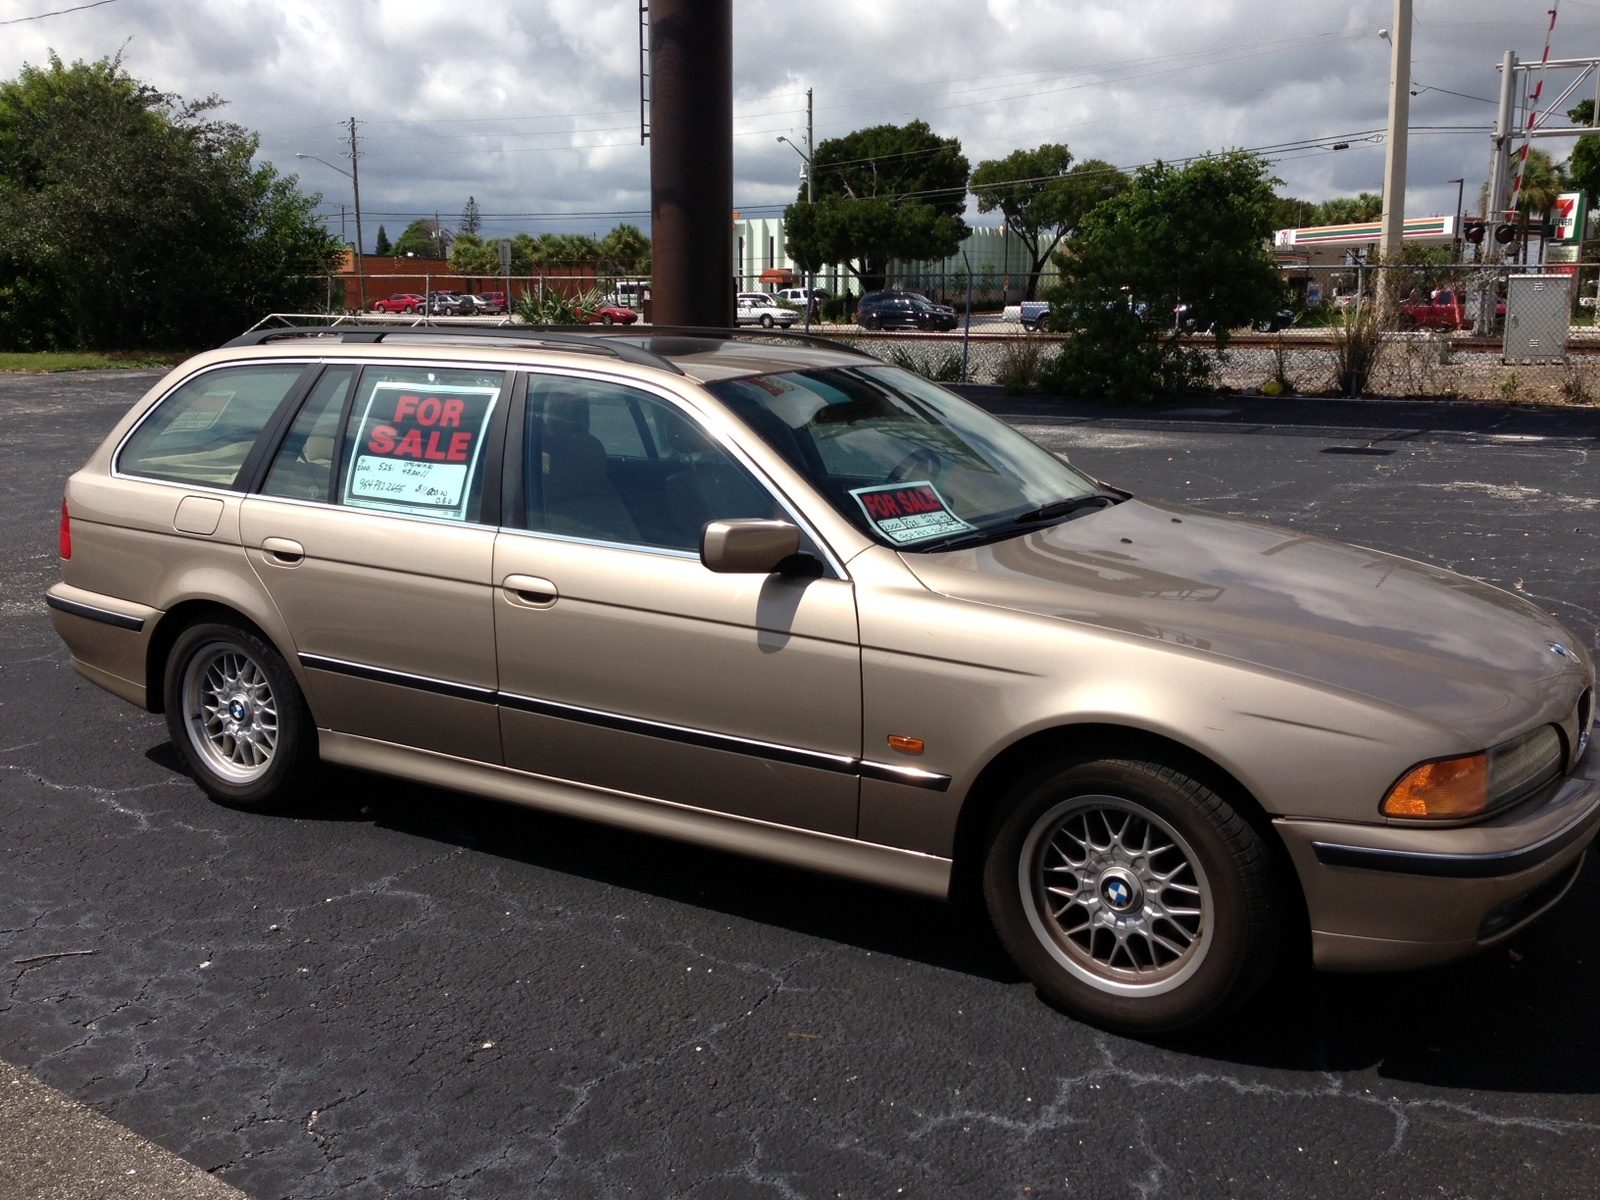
766,320
258,750
1042,322
607,319
870,322
1144,943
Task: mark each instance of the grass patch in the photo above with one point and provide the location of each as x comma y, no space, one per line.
85,360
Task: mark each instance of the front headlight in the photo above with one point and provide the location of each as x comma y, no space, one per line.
1454,788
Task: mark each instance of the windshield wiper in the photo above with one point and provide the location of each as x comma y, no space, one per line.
1055,510
1065,508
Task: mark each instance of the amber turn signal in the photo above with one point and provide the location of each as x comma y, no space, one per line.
907,745
1452,787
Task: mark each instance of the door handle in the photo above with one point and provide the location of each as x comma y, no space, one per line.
530,591
283,552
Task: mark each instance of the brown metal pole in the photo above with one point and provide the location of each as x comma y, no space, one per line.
691,162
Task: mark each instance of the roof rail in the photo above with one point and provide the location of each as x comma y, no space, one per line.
628,343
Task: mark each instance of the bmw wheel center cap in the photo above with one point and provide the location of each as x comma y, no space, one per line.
1120,890
237,709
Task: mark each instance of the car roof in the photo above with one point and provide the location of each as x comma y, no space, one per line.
704,356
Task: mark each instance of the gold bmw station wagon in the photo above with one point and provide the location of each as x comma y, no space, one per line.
780,598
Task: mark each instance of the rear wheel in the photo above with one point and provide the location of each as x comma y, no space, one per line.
607,319
1132,895
238,716
766,320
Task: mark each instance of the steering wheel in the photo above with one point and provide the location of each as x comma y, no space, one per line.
922,463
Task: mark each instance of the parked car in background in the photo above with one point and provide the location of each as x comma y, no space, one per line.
1190,318
790,601
764,312
443,304
1033,314
400,302
491,302
797,296
1445,308
609,314
893,309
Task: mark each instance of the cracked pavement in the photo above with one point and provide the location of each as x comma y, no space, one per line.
398,991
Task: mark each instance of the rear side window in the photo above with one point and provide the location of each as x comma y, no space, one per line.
202,432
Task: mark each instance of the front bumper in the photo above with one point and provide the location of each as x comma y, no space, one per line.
1391,896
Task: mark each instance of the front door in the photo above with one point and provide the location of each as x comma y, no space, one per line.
625,664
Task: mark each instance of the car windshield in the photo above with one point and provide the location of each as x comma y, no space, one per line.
905,461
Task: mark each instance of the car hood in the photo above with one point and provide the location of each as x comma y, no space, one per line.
1435,643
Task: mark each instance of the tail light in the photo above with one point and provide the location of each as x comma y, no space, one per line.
66,530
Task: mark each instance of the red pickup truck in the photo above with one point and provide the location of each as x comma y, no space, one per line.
1444,308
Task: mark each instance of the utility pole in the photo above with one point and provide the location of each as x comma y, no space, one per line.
355,181
1394,158
811,151
1499,168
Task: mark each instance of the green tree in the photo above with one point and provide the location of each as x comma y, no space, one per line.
1350,210
422,239
888,192
625,251
1583,166
1043,197
1543,181
1290,213
470,255
131,218
471,218
382,246
1197,235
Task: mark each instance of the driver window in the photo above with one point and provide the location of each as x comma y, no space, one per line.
610,463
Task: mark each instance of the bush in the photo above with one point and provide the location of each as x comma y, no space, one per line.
836,308
1021,365
1115,356
945,369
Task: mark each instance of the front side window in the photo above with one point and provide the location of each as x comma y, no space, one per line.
202,432
416,441
906,462
614,464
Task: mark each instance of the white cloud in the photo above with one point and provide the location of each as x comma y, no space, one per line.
532,106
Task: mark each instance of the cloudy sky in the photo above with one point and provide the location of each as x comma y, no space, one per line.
532,106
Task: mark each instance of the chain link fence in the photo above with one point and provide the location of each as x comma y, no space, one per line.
1434,330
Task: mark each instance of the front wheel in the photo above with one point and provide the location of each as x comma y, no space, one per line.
1132,895
237,714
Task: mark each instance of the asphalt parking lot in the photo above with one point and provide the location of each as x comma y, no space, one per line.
404,992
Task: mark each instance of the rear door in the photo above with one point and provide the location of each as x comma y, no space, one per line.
378,548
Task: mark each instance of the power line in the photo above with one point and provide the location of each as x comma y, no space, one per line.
60,12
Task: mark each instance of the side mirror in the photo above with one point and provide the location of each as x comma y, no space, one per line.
748,546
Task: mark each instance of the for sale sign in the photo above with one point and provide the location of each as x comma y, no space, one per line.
417,447
908,512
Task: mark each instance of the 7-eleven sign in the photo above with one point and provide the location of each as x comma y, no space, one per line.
1569,213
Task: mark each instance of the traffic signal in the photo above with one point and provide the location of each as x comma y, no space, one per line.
1473,230
1505,234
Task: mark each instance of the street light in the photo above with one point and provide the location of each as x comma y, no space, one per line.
806,157
355,182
